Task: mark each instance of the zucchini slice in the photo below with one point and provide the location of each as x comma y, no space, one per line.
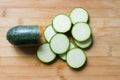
76,58
79,15
45,54
84,44
81,31
59,43
61,23
63,56
72,45
49,33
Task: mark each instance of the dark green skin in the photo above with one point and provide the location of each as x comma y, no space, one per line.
24,35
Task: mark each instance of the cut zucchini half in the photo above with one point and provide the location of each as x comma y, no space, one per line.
61,23
24,35
81,31
84,44
76,58
63,56
49,33
59,43
45,54
79,15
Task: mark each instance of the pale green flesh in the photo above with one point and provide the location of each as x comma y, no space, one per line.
81,31
45,54
84,44
59,43
76,58
61,23
49,33
63,56
78,15
72,45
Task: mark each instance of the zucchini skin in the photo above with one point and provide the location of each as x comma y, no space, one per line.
24,35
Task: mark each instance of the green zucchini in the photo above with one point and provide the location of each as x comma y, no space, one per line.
24,35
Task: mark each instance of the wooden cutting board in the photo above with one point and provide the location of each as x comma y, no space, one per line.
103,58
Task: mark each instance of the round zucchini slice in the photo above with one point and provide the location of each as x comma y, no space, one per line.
45,54
79,15
81,31
84,44
49,33
61,23
59,43
76,58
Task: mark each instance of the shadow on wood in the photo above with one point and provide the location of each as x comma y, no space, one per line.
30,50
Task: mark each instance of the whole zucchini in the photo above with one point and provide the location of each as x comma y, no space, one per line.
24,35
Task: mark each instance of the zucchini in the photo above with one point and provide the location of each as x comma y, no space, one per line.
45,54
84,44
61,23
79,15
59,43
49,33
24,35
76,58
81,31
63,56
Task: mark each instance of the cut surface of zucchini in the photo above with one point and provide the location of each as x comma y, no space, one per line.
61,23
79,15
49,33
76,58
63,56
81,31
45,54
72,45
59,43
84,44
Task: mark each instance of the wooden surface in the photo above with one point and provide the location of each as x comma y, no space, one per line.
22,64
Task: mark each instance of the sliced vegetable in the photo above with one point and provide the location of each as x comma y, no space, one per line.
76,58
81,31
84,44
63,56
59,43
49,33
45,54
79,15
61,23
72,45
24,35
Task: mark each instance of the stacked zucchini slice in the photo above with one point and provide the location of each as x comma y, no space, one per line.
58,43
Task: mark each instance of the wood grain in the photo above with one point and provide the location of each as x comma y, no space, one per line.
103,58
